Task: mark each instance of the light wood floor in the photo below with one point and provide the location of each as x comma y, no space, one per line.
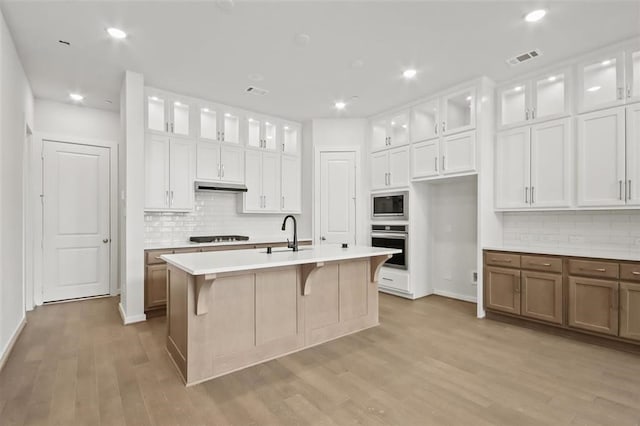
430,362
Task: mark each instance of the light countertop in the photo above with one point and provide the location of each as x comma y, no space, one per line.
245,260
558,251
189,244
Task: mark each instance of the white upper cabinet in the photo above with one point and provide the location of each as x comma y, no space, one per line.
220,124
291,201
425,120
262,133
601,82
291,136
459,153
390,168
459,113
390,131
425,159
633,75
543,98
168,114
263,177
633,155
601,158
220,162
513,148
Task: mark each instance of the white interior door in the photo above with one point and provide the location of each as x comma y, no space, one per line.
76,221
338,197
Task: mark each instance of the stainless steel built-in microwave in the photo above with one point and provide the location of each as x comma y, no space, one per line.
390,205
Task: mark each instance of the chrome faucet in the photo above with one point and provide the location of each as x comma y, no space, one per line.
293,245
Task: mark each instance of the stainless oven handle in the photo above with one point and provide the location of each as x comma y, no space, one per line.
389,235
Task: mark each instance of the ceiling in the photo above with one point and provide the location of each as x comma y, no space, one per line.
358,48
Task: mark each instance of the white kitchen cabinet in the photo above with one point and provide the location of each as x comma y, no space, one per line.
459,112
390,169
425,121
601,82
291,199
262,177
633,155
425,158
459,153
633,75
168,114
220,162
390,131
262,133
543,98
533,166
291,136
169,173
219,123
601,158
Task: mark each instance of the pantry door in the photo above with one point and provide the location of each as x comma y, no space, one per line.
338,197
76,216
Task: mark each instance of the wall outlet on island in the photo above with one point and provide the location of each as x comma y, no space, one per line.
474,277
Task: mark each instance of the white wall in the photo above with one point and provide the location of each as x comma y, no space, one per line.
341,133
76,121
453,229
16,112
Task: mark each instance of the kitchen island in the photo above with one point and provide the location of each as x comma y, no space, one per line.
230,310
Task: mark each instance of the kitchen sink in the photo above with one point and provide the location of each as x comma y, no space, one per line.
284,250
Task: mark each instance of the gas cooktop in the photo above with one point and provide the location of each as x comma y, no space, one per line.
218,238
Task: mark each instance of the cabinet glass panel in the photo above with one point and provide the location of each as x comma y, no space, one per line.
180,118
399,127
600,82
270,135
231,128
155,113
290,139
635,71
514,104
550,95
459,110
424,121
253,133
208,124
379,134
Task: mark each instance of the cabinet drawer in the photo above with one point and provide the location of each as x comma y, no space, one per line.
593,268
542,263
506,260
630,272
152,257
394,280
187,250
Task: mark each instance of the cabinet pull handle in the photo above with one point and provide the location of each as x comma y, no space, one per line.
435,126
620,190
594,269
526,195
533,113
635,272
516,286
171,198
166,127
540,264
501,260
218,169
526,114
387,279
282,202
172,130
443,165
166,198
629,189
444,127
532,198
223,170
436,162
223,136
620,93
628,91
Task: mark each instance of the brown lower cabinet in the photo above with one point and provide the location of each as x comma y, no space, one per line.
590,295
155,271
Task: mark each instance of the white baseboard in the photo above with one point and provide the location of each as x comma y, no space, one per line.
14,338
395,292
451,295
130,319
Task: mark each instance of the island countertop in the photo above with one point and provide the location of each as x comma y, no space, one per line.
246,260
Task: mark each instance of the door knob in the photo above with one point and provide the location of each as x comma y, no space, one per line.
323,239
106,240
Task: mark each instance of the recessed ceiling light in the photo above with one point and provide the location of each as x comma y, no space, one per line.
606,63
517,88
226,114
154,98
177,103
469,98
535,16
340,105
404,126
393,123
410,73
76,97
117,33
552,78
593,89
205,109
286,127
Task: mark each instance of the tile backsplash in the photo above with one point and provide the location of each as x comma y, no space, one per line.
215,213
593,230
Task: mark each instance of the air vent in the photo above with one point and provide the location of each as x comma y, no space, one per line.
523,57
256,91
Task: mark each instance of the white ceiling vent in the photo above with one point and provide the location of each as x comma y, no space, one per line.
523,57
256,91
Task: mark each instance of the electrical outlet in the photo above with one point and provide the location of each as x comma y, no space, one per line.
474,278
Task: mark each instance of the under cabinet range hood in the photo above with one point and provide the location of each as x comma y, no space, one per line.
219,186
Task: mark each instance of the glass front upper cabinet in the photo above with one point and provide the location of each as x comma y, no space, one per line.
180,118
230,127
550,96
425,121
208,123
459,112
157,113
254,132
601,82
514,101
291,139
270,135
633,81
399,129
